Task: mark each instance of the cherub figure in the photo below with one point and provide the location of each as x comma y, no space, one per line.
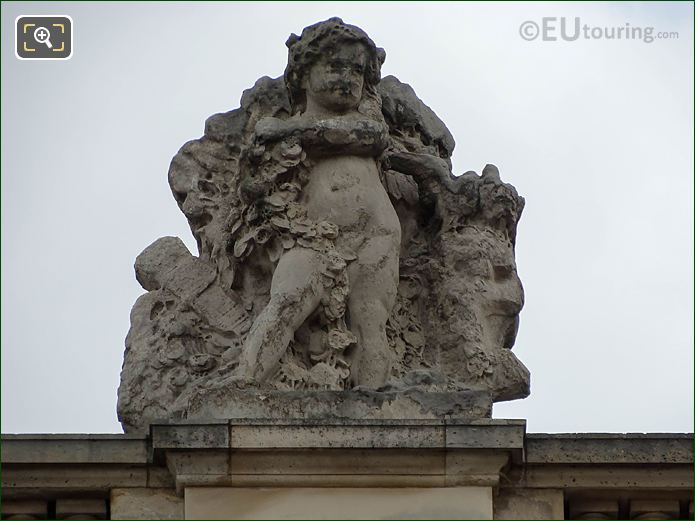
336,251
327,203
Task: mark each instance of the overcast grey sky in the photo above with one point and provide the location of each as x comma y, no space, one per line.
596,134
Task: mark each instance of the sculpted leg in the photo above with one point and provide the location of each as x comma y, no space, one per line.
373,288
295,293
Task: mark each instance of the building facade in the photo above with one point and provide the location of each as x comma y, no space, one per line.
398,469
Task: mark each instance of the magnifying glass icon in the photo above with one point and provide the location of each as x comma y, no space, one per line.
43,35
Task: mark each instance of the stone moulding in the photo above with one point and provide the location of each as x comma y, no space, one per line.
529,476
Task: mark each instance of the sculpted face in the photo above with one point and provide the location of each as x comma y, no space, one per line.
335,82
492,292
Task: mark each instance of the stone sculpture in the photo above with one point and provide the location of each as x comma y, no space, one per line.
342,269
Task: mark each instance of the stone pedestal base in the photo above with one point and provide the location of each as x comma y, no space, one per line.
413,404
348,469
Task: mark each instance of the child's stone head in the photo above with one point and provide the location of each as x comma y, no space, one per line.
332,66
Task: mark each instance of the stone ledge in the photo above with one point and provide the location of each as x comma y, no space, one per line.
604,477
497,422
592,448
74,448
354,434
52,477
190,436
236,455
378,453
608,448
490,435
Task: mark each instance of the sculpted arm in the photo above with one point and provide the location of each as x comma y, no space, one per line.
326,135
423,167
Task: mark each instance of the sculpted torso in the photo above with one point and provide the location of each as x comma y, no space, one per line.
347,191
344,186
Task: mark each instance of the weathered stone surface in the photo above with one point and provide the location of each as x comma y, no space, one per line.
146,503
487,435
605,477
334,461
336,252
81,509
343,503
24,509
654,509
337,436
69,477
289,453
594,509
611,448
621,476
475,467
190,436
529,504
355,404
341,433
73,448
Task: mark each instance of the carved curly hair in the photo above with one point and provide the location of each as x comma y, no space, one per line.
305,50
